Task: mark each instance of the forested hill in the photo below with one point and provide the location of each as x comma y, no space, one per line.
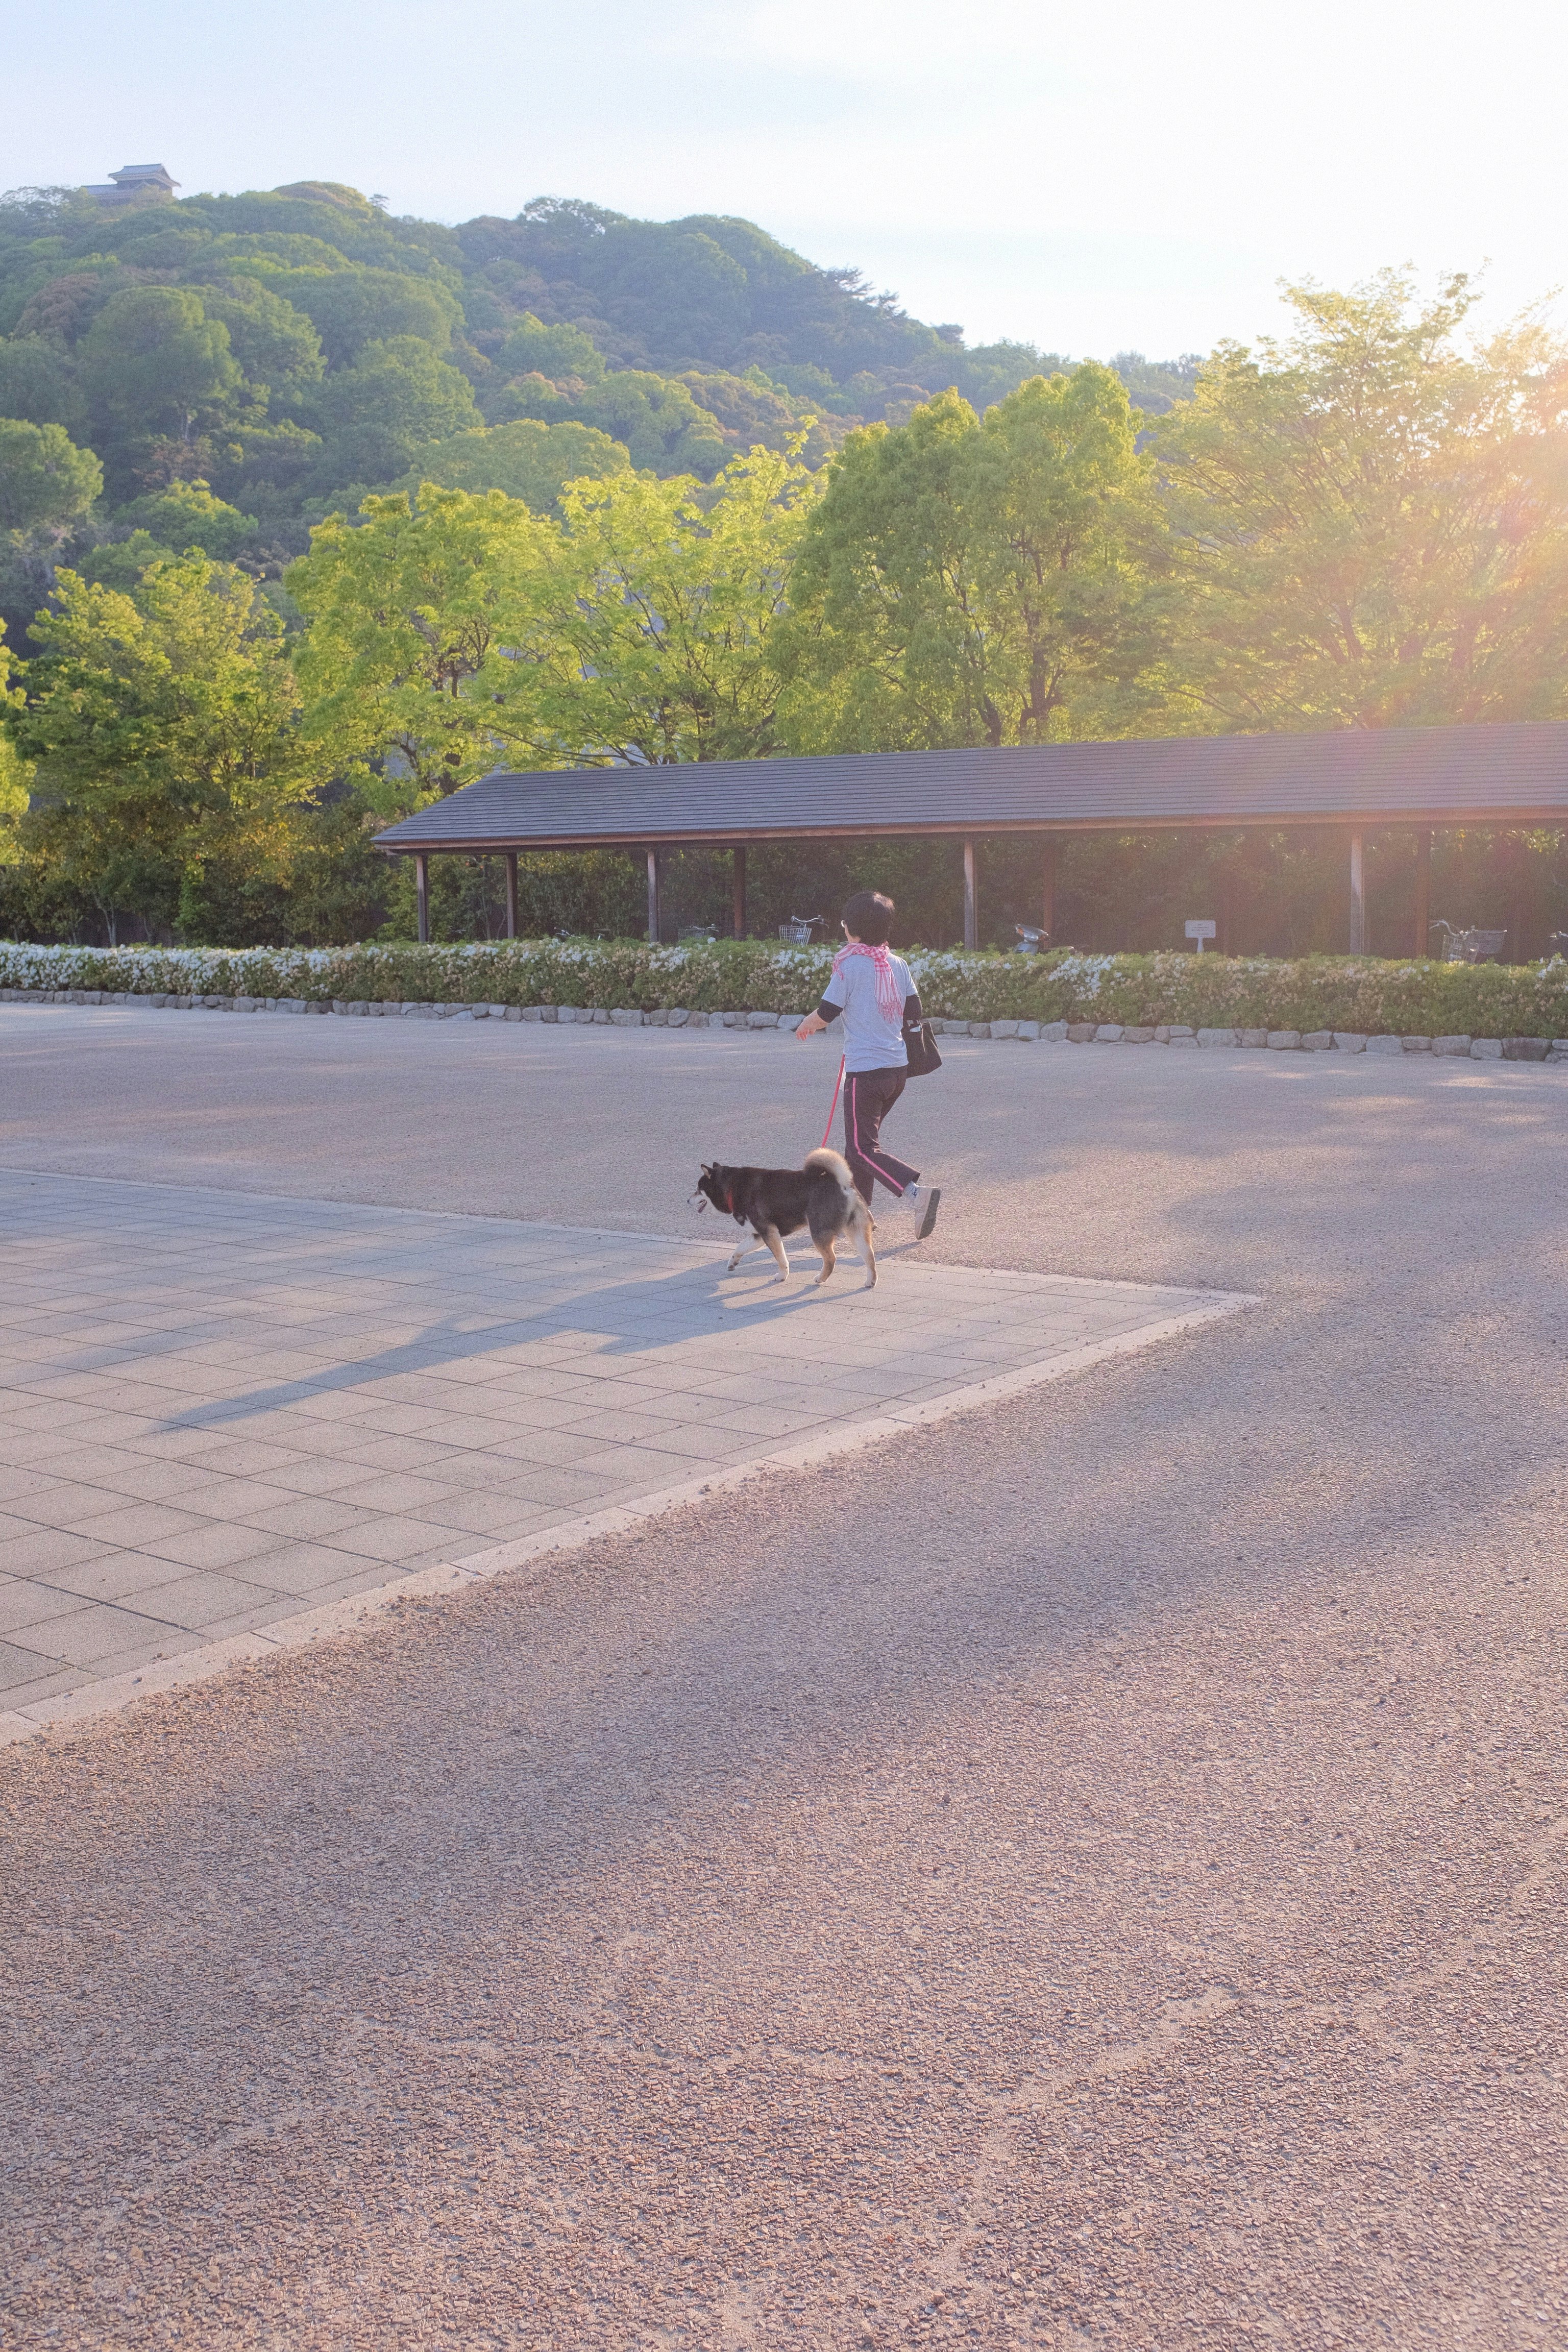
294,348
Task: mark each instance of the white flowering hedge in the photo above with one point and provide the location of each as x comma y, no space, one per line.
1312,992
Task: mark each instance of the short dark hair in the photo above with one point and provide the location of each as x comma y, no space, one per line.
870,917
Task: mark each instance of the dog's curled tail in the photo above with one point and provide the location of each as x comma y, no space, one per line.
832,1163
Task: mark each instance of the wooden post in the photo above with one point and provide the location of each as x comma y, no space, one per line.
653,895
1424,891
421,893
511,894
970,920
1049,887
1358,896
738,903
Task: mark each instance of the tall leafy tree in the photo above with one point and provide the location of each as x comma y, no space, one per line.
416,613
561,352
187,515
652,632
351,308
47,487
47,483
1372,519
657,419
449,630
153,366
272,342
37,382
373,416
526,459
971,579
15,775
163,731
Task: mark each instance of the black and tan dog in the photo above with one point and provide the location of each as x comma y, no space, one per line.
778,1201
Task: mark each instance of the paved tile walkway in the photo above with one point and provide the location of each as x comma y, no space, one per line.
217,1411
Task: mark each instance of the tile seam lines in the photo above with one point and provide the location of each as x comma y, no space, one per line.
374,1208
83,1706
589,1232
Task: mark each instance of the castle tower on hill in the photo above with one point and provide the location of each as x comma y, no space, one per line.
133,179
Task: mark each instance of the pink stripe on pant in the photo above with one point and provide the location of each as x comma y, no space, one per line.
869,1096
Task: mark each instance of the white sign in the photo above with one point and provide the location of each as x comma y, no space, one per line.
1200,931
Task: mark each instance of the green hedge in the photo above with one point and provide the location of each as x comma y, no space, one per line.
1210,991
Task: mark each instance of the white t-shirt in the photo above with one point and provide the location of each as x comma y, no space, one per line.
873,1040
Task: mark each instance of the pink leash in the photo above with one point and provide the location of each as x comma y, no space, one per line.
834,1104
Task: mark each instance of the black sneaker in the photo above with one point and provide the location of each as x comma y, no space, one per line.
932,1200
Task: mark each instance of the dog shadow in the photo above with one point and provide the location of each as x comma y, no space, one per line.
802,1289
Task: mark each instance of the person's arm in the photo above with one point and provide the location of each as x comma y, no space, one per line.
815,1023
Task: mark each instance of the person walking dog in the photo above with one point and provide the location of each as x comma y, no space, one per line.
875,992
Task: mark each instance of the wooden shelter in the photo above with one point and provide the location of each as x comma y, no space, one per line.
1413,778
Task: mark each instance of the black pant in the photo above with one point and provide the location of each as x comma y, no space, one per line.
869,1097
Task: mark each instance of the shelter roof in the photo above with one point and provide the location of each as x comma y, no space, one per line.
1500,774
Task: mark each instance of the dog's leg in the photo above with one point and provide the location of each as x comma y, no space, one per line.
867,1251
777,1247
742,1249
829,1258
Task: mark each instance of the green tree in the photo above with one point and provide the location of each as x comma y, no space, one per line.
1157,384
651,634
353,308
527,459
15,773
153,365
373,417
57,310
416,615
162,525
39,382
185,515
659,424
756,413
979,581
266,467
450,631
326,884
674,289
120,562
47,487
163,731
45,481
274,344
989,371
560,352
15,777
1373,521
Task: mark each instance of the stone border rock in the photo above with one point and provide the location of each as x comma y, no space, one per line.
1026,1032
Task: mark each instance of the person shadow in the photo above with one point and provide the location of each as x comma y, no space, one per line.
641,1317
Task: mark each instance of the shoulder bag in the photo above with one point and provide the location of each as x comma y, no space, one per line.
920,1046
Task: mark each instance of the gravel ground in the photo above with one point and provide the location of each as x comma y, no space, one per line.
1085,1875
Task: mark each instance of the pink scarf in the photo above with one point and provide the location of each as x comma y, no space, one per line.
889,1000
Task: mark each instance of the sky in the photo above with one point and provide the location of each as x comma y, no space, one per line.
1134,177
